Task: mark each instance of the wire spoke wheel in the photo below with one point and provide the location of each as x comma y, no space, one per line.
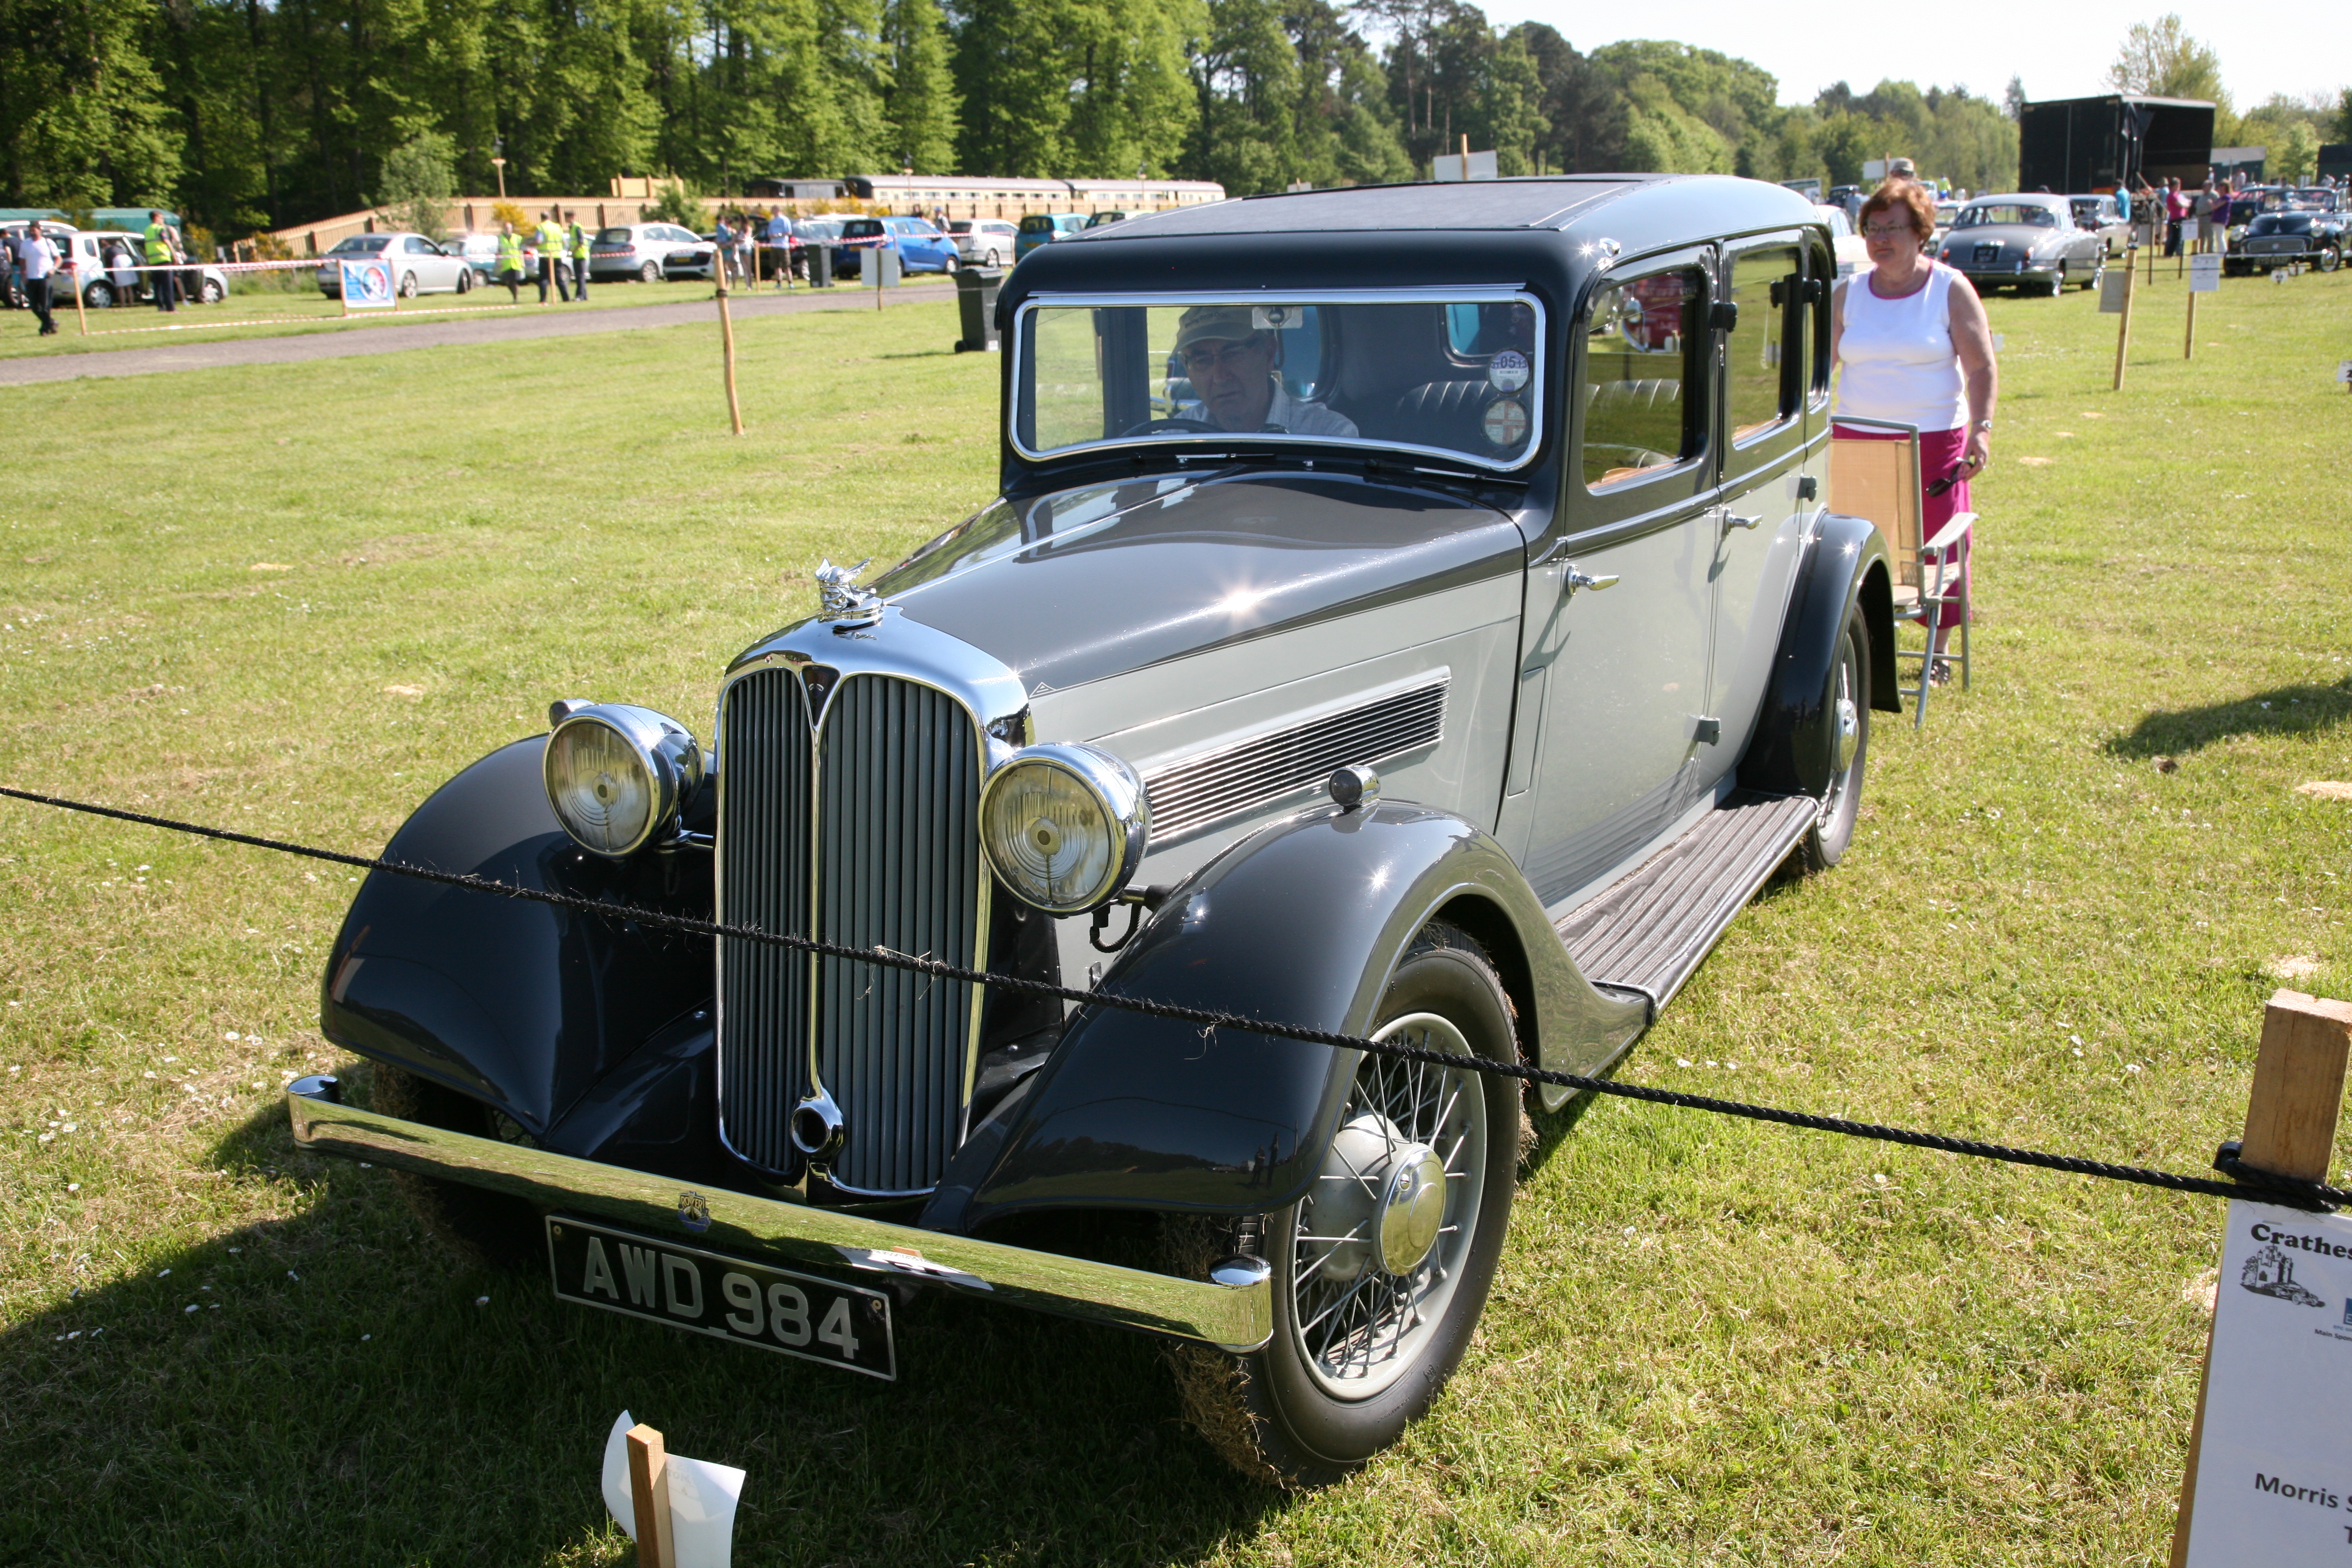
1380,1240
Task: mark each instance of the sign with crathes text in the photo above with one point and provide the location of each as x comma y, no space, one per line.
2275,1477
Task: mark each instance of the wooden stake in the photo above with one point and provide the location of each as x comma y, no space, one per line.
81,311
727,350
2290,1132
649,1498
2123,332
2189,341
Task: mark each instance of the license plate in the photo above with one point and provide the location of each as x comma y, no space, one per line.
1988,253
730,1299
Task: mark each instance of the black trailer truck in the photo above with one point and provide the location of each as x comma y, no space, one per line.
2074,145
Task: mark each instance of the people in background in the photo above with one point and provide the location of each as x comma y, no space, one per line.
157,243
2175,212
37,258
780,248
577,240
547,239
724,259
510,263
1913,347
124,268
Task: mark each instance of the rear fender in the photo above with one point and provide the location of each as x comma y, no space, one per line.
1302,922
522,1005
1845,564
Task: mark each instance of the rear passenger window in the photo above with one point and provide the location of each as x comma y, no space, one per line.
1764,281
1645,377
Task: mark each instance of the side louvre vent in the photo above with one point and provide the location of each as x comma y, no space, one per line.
1239,778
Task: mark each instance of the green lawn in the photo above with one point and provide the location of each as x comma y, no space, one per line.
277,305
1711,1341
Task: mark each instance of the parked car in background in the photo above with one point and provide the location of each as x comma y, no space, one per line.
1852,251
2029,243
2276,238
1045,228
1105,219
418,266
984,241
920,246
1291,694
477,251
1945,212
650,252
2103,216
91,251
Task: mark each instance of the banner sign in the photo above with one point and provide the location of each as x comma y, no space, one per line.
367,285
2274,1476
2205,274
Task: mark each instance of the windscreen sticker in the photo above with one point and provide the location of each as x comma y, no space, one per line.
1507,371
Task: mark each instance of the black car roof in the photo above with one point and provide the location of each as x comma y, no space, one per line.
1708,204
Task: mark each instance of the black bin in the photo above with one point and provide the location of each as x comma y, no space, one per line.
976,289
820,265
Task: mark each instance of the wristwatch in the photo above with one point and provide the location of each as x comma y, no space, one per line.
1983,425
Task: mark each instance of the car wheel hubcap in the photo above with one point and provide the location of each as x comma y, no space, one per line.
1381,1240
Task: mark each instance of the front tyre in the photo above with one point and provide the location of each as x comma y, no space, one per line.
488,1228
1847,703
1379,1272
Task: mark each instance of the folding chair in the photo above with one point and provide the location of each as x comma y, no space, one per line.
1881,480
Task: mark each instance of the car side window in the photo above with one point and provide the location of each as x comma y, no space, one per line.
1757,389
1645,381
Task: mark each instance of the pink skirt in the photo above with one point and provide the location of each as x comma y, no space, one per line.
1940,452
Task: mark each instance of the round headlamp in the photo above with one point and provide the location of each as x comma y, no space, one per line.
617,776
1063,825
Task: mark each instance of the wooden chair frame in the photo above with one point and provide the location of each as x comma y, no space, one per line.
1881,481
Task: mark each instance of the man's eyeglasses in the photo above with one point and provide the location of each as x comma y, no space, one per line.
1233,356
1887,231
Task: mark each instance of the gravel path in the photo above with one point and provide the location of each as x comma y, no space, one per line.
391,339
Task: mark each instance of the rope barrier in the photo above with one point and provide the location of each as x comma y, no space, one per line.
2247,1183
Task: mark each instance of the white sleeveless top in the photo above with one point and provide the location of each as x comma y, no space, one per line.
1899,362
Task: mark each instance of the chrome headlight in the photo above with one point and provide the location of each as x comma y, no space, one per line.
617,776
1063,825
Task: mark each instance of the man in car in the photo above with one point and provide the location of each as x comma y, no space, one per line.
1234,363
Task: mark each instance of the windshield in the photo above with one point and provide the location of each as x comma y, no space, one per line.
2008,212
1456,373
2280,223
361,245
1037,223
861,228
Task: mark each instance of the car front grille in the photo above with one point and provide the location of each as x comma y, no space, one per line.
865,834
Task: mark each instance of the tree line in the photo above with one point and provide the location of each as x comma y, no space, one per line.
248,115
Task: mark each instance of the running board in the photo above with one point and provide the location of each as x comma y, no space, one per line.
1650,930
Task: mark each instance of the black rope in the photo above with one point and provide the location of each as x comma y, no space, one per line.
2250,1183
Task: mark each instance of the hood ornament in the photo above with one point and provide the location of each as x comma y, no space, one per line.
839,599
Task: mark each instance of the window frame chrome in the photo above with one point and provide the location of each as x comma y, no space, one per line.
1469,294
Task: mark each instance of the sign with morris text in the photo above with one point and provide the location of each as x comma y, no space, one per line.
2274,1475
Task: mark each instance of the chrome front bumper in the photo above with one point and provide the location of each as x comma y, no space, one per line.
1232,1310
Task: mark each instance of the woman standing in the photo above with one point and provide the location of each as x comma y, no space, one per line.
1911,337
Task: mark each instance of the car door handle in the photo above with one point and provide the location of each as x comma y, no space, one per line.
1582,580
1733,520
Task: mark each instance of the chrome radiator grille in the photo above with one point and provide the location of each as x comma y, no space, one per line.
873,837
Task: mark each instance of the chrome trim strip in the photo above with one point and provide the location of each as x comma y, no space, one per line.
1018,344
1237,1317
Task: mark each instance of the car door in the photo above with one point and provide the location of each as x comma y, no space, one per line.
1759,525
1619,601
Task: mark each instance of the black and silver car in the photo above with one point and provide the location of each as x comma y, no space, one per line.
2031,243
1408,613
2278,239
2102,215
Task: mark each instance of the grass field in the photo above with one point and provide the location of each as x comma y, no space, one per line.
271,306
1711,1342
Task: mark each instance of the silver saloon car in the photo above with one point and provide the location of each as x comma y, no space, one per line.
650,252
419,265
2031,243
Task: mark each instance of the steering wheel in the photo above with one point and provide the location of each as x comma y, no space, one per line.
1174,427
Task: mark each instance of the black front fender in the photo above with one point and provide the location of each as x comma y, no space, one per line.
1302,922
1845,565
522,1005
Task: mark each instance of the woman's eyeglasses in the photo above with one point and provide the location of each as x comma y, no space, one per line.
1887,231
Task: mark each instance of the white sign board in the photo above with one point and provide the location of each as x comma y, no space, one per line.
2343,370
1874,169
702,1499
2205,274
1480,166
2112,287
2188,231
2274,1476
367,286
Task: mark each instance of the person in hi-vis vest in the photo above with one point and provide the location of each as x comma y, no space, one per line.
549,239
578,238
165,284
510,261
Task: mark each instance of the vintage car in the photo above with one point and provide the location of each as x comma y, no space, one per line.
1409,611
2276,238
2102,215
2031,243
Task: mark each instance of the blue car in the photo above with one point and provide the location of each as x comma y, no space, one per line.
1045,228
920,246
